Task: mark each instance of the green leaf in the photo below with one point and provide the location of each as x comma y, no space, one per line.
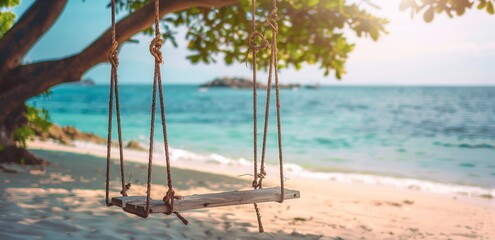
489,7
194,58
429,14
6,22
131,40
9,3
310,31
374,34
228,59
312,3
331,4
482,4
37,121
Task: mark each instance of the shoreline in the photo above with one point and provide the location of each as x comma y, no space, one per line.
218,164
66,197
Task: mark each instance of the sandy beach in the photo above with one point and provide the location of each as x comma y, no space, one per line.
377,116
65,199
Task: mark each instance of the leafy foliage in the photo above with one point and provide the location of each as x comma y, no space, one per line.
6,17
37,120
312,32
6,22
9,3
449,7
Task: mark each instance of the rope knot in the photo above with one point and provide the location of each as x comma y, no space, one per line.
114,52
155,49
259,178
126,188
256,42
169,200
272,20
262,172
254,45
255,184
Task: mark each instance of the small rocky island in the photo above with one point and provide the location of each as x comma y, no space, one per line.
242,83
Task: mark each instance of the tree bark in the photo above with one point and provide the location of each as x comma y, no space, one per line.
26,32
18,82
9,151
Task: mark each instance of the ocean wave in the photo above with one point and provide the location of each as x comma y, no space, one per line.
466,145
297,170
405,183
182,155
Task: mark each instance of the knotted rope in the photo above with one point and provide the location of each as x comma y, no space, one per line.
254,46
272,19
113,57
272,22
114,88
155,50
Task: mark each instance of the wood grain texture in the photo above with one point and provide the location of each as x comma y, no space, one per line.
137,204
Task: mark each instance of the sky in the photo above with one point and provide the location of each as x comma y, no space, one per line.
458,51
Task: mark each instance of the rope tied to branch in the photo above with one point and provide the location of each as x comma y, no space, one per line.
254,47
155,50
271,22
113,58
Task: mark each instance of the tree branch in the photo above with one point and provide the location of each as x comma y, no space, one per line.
136,22
34,79
24,34
30,80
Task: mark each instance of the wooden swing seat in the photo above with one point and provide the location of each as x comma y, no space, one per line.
137,204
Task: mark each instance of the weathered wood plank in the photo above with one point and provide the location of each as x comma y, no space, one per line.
122,201
137,204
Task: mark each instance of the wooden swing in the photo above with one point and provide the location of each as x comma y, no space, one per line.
143,205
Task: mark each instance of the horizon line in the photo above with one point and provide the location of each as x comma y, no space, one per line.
307,84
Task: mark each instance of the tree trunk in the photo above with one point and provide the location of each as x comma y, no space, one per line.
9,150
32,80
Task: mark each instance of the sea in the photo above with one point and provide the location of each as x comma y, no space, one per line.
434,138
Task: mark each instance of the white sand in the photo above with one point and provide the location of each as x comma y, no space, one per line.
66,200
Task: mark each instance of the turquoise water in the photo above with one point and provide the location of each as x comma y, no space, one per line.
443,134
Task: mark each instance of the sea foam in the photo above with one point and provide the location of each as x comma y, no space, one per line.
185,156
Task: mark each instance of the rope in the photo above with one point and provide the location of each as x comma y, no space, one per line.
150,156
155,50
119,130
109,142
272,20
114,89
254,47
